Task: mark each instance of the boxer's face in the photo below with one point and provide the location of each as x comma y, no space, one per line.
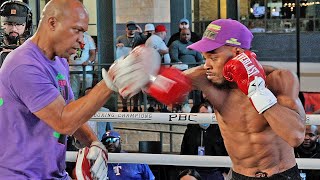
68,32
214,63
14,29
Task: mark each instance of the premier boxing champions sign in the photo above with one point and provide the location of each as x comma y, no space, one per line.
168,118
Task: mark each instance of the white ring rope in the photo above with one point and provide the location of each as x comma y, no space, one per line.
170,118
184,160
177,160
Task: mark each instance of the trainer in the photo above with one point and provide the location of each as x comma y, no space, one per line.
37,107
258,109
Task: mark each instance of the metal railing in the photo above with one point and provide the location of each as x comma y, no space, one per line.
270,25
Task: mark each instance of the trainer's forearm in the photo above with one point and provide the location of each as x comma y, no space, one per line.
85,135
76,113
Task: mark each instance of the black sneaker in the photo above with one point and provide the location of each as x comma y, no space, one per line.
125,109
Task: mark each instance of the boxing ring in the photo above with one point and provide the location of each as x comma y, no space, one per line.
177,160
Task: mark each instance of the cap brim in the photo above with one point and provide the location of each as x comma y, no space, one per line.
205,45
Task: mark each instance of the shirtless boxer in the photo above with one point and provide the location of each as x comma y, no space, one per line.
260,124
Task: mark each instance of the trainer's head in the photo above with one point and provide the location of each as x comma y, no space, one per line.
224,32
61,28
111,139
311,137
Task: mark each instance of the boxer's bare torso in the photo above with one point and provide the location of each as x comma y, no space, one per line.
257,143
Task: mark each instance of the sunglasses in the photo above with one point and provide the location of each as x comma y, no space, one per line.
110,140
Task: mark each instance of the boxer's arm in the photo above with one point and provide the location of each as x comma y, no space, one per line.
67,118
199,80
268,69
287,117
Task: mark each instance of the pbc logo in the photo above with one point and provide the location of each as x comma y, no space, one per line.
182,117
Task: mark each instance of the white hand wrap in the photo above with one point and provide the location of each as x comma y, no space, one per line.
261,97
98,155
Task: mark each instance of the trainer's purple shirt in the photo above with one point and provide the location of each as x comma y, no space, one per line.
29,81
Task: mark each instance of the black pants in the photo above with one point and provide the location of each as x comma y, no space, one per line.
292,174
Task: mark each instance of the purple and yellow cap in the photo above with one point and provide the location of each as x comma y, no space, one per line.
223,32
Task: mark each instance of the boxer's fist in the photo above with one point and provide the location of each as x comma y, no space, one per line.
169,86
128,75
248,74
92,162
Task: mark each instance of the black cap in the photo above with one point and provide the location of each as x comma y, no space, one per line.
13,12
131,25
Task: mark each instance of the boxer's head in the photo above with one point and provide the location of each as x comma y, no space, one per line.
61,28
222,40
112,141
311,137
16,19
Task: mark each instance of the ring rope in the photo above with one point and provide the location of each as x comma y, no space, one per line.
171,118
184,160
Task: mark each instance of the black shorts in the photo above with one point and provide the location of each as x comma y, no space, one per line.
292,174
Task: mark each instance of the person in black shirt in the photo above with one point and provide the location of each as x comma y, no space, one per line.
183,24
310,148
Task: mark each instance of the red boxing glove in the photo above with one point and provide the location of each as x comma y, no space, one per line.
92,162
170,86
247,72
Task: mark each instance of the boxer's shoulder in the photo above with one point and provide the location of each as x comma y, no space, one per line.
282,81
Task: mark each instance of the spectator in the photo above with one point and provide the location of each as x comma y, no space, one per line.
86,56
183,24
189,174
156,41
141,38
112,141
204,140
17,26
310,148
124,45
179,53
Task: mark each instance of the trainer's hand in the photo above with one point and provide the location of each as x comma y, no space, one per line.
133,72
98,156
248,74
169,86
84,165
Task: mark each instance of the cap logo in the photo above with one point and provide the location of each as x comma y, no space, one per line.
233,41
211,31
13,11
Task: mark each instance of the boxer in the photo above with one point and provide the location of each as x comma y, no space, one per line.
259,113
